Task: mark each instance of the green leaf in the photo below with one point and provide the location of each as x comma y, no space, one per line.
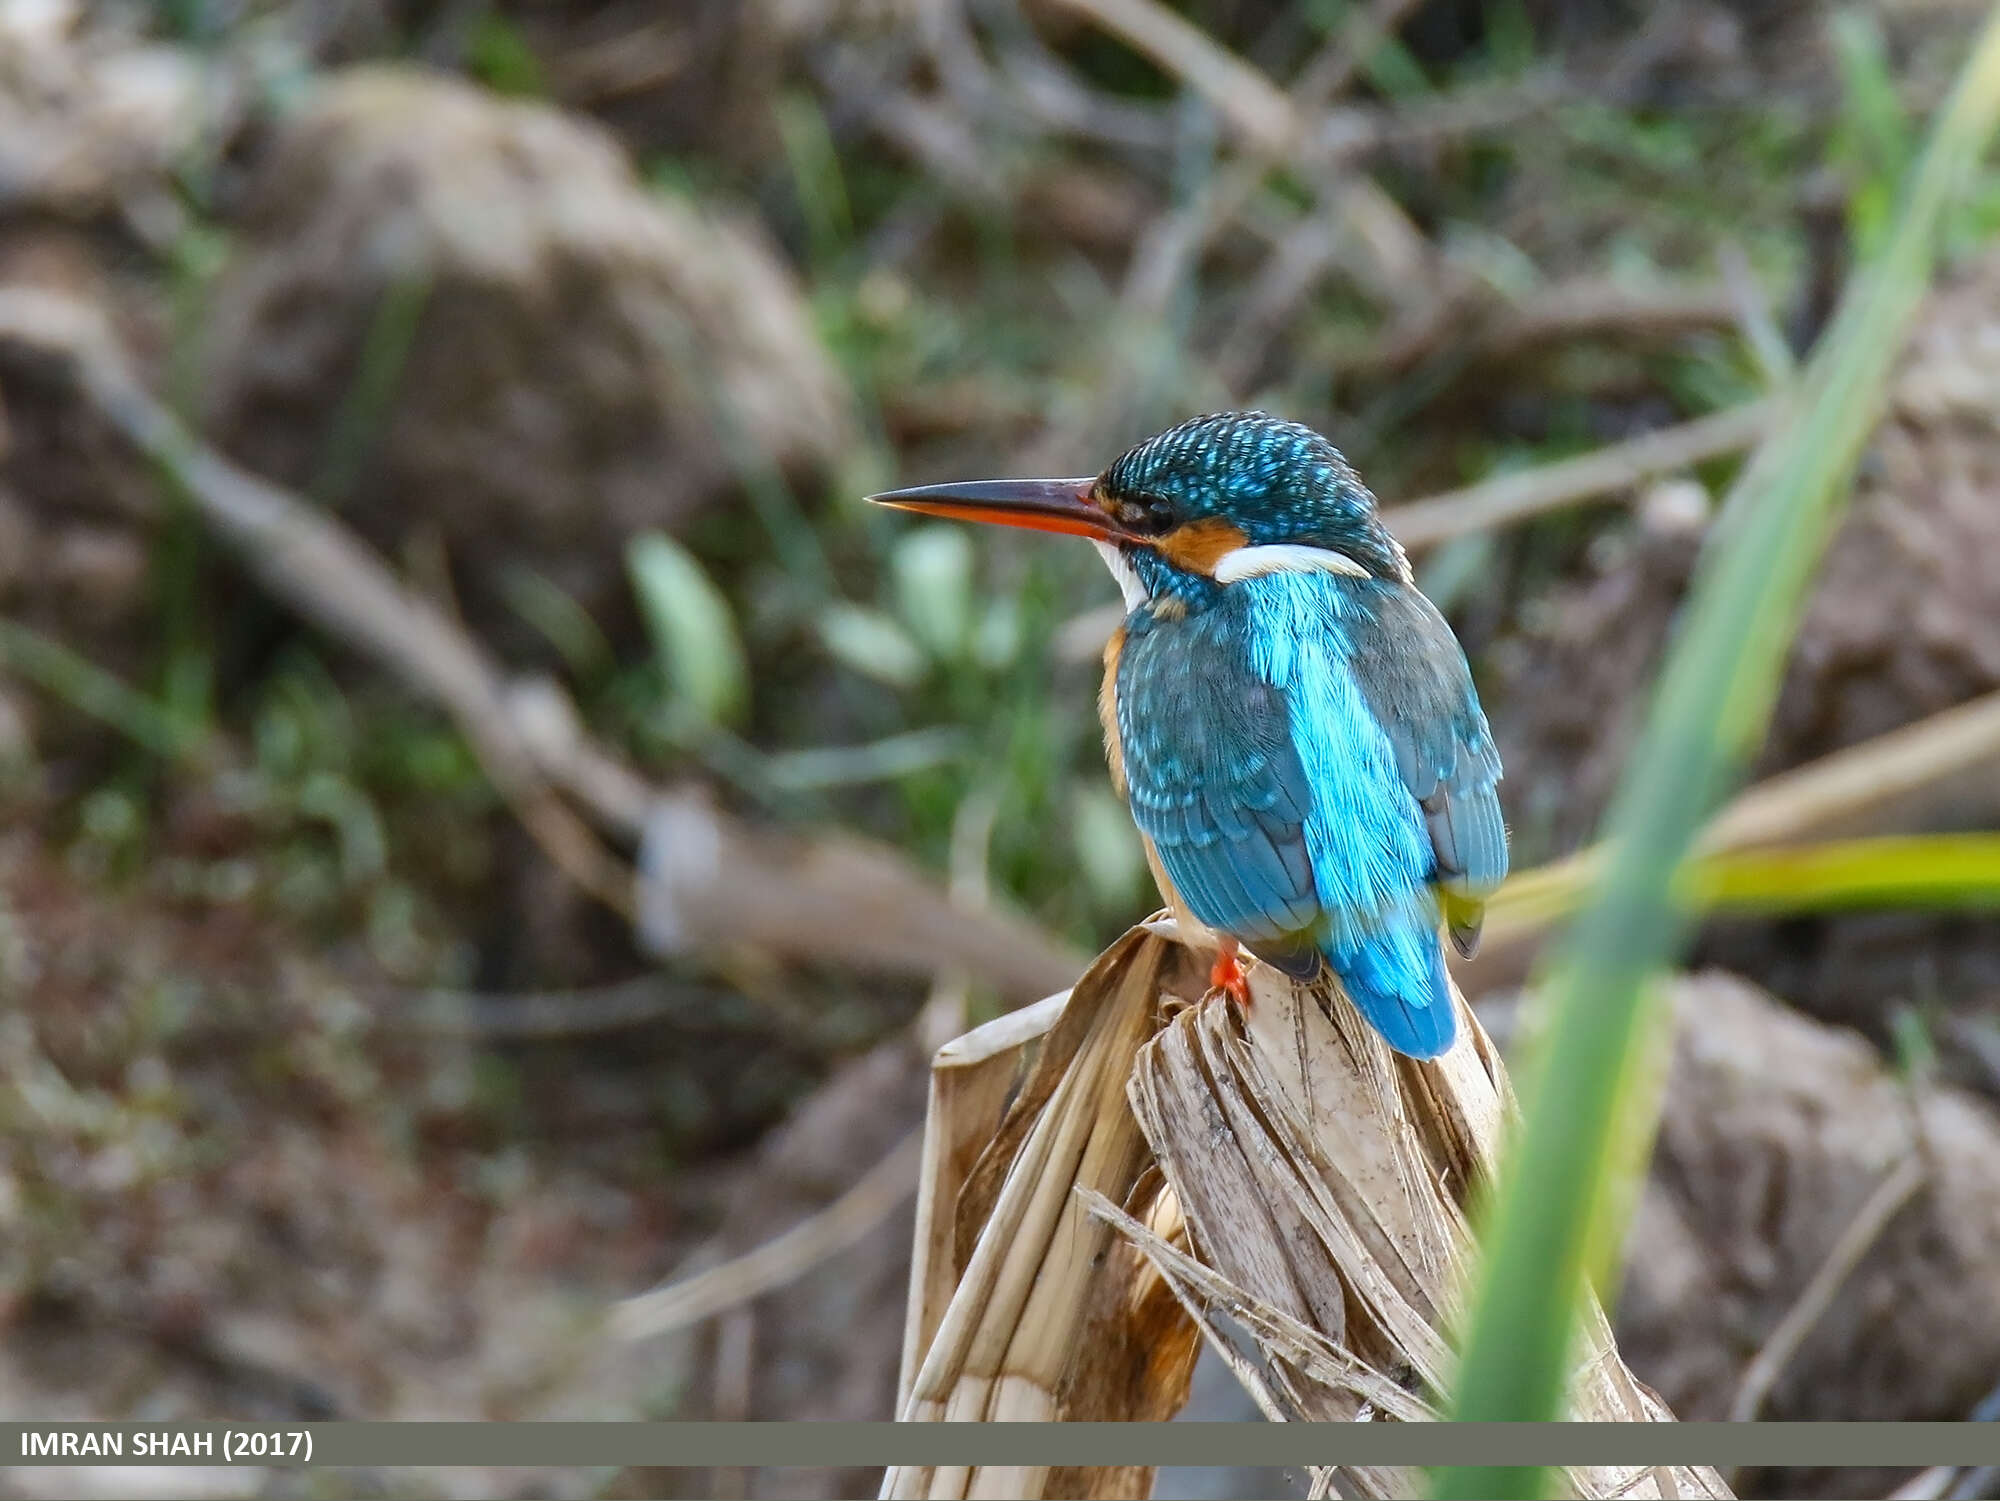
872,643
553,612
693,629
499,56
816,175
85,686
932,567
1915,1049
1108,852
1394,69
996,642
1872,140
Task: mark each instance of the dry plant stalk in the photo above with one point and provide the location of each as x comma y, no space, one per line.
1276,1181
1024,1304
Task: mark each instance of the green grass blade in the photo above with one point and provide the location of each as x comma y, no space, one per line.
1917,870
1896,870
85,686
1713,701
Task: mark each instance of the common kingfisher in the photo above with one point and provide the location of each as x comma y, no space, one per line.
1291,721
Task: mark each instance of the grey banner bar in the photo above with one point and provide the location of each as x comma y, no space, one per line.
817,1444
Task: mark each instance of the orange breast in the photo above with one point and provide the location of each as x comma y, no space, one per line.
1107,710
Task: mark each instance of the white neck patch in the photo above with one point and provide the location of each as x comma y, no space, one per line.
1285,557
1123,571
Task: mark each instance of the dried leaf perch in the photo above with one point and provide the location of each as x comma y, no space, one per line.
1169,1169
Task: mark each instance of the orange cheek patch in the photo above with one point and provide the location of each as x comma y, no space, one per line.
1200,545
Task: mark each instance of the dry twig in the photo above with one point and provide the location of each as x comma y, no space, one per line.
308,559
785,1258
545,1014
1509,498
1870,1220
1838,788
1381,229
1476,326
1255,108
710,882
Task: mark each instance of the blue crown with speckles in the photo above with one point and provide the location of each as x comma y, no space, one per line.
1275,479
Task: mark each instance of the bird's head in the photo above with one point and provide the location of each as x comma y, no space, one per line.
1202,505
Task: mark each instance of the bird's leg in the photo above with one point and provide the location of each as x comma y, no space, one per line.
1227,974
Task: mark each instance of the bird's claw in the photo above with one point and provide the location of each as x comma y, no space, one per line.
1227,974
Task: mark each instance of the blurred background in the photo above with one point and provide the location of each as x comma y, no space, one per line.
491,823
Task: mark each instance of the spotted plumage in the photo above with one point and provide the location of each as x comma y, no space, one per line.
1292,722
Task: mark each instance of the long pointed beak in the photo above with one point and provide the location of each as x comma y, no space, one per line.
1043,505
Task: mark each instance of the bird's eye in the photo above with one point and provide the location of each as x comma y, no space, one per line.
1146,514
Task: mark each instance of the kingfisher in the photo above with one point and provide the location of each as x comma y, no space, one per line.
1292,723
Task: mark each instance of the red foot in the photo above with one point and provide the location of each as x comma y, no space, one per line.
1227,975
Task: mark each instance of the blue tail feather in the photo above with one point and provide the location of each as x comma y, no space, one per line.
1396,979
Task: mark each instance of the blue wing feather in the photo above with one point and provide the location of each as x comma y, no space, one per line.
1214,780
1304,787
1413,674
1368,838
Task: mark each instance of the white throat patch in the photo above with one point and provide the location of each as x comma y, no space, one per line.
1123,571
1286,557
